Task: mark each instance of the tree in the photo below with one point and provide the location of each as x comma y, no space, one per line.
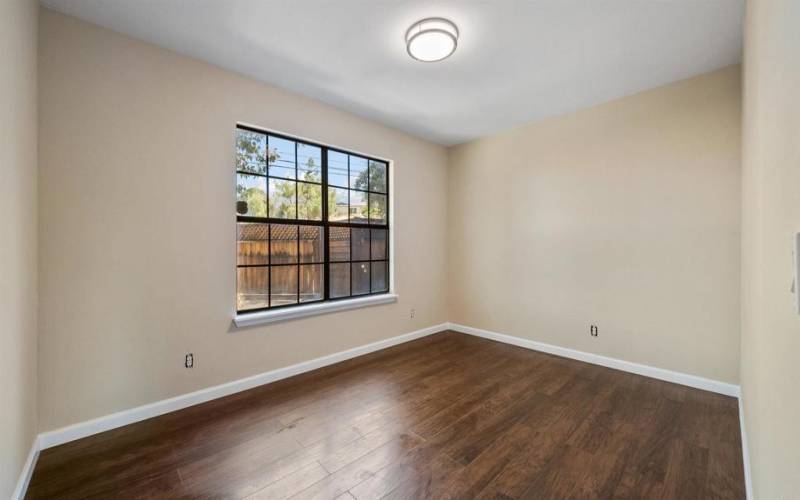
252,152
309,196
256,202
373,178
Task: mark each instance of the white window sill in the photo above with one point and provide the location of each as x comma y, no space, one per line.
262,317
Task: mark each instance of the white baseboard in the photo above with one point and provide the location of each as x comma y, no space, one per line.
639,369
748,482
27,471
125,417
119,419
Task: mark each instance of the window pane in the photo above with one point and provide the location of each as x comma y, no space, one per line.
311,283
358,173
377,208
339,243
379,244
309,201
281,158
252,287
284,285
360,244
340,280
311,247
284,264
380,283
251,195
309,163
360,278
337,204
282,201
358,207
337,168
283,245
251,244
377,176
251,152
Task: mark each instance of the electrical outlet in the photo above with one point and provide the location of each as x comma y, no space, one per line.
413,313
189,362
593,330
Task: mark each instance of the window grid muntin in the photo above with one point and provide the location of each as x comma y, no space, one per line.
324,223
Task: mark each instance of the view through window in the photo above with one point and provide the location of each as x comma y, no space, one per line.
312,222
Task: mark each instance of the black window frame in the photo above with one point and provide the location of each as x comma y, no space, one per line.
324,224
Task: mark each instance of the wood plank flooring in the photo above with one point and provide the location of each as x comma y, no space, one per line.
446,416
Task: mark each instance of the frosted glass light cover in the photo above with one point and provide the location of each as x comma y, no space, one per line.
432,39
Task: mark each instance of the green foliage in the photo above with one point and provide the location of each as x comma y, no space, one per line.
377,176
251,152
309,199
282,199
374,178
377,208
256,201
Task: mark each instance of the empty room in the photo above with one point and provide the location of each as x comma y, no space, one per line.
400,249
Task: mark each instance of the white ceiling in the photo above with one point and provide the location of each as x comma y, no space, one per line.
517,61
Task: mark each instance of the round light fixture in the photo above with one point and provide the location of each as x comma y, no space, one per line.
432,39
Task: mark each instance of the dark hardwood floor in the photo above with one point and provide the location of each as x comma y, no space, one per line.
446,416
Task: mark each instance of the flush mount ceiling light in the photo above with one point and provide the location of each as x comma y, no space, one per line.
432,39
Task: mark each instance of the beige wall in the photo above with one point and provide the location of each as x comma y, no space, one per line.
771,214
137,225
625,215
17,237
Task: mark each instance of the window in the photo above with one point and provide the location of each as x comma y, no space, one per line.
312,222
